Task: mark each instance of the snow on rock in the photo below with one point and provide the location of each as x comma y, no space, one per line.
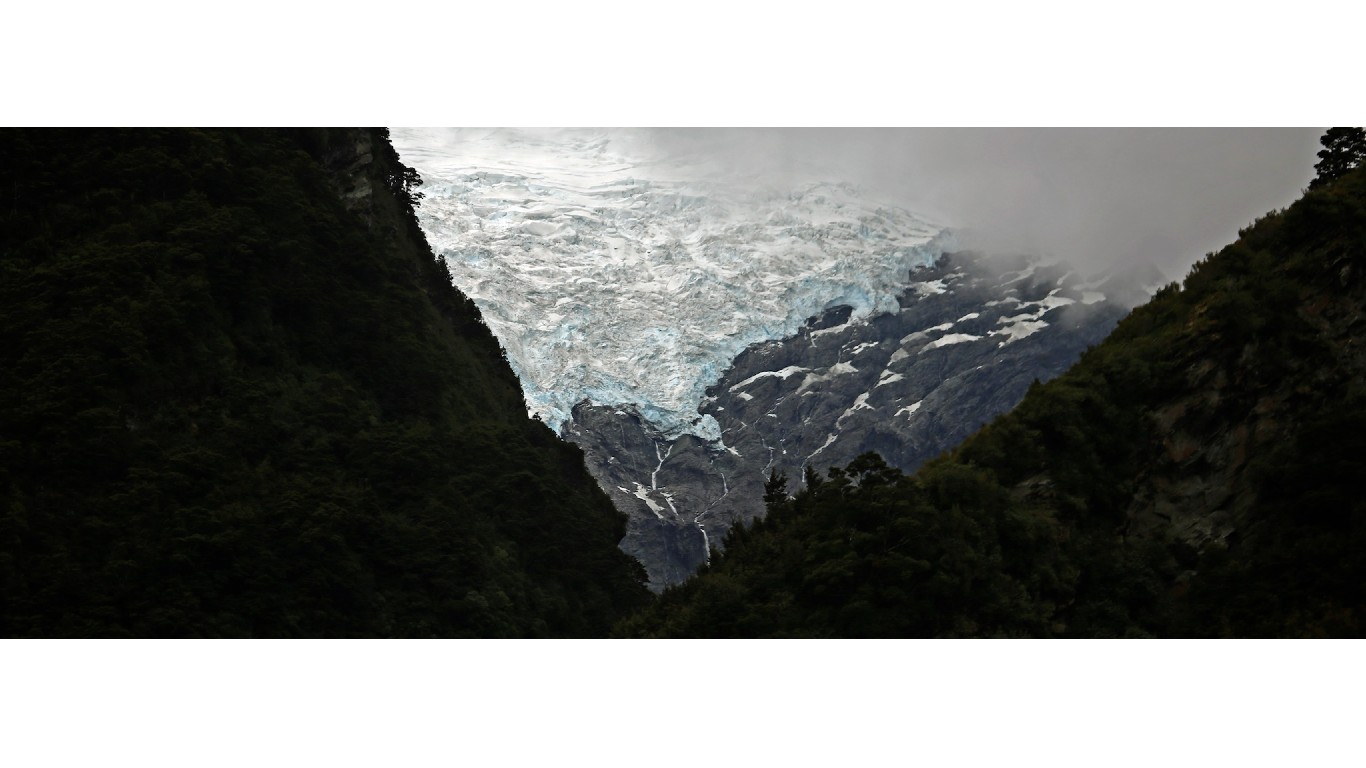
910,409
951,338
860,403
783,374
834,329
644,495
838,369
1019,327
918,335
1053,301
930,288
1026,324
830,438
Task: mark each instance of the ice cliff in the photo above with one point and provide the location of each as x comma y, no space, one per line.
620,273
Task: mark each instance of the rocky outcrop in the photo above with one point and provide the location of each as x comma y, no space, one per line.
1213,443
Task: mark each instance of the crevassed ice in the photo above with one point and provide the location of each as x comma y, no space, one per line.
615,273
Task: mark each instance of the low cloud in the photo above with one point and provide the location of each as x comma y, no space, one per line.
1099,198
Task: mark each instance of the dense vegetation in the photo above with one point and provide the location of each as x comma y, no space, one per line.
1197,474
239,397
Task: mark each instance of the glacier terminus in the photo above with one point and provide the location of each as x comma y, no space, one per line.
618,272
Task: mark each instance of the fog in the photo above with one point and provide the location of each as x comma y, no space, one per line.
1098,198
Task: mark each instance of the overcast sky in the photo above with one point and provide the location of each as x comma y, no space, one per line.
1096,197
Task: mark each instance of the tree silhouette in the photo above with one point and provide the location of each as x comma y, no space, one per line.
1344,149
775,490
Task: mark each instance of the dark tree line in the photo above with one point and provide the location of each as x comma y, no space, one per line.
1344,149
233,403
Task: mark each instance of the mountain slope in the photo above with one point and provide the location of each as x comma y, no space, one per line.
239,396
968,336
1198,473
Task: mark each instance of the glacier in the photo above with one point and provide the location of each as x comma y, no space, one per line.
619,271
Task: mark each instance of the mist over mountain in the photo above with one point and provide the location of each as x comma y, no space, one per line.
1198,473
1096,198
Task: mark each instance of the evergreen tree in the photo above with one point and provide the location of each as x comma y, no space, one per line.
775,490
1344,149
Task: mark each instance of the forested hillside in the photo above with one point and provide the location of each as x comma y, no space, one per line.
1199,473
239,397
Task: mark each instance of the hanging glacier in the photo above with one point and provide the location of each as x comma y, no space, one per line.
620,272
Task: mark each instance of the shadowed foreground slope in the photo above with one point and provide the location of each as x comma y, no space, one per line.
239,396
1199,473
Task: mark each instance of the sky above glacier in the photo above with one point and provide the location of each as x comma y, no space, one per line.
1095,197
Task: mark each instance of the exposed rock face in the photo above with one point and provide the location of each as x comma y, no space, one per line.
971,336
1201,480
350,163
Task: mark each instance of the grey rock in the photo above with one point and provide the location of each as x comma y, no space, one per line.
907,385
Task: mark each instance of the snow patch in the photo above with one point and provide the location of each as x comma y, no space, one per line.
1027,324
918,335
783,374
1052,301
860,404
1020,329
827,331
830,438
644,496
838,369
951,338
908,410
929,288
